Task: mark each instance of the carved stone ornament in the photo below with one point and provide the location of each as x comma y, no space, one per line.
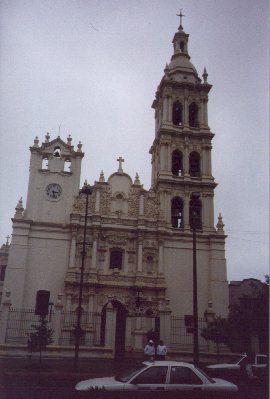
145,308
105,200
152,208
133,202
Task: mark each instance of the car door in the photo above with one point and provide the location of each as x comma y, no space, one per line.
151,379
184,379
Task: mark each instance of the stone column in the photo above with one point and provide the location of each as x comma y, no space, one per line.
72,251
141,206
186,121
110,327
204,161
58,307
97,203
91,303
201,113
165,326
169,109
186,212
68,302
160,257
139,334
186,159
169,158
94,253
140,247
6,305
206,112
162,157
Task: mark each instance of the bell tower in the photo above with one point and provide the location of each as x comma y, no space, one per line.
181,151
54,180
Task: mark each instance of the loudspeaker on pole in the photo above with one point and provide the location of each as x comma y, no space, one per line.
42,302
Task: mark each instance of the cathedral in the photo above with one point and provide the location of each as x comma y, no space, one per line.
136,245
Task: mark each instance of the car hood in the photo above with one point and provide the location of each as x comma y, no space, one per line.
226,384
223,366
97,383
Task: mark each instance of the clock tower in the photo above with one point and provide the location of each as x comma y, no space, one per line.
54,180
39,251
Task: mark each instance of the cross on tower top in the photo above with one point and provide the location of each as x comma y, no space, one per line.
120,160
181,16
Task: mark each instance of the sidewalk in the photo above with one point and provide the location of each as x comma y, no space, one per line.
21,378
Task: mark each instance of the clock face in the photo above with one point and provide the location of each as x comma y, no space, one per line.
53,191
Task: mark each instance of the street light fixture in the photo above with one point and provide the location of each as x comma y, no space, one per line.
86,190
195,219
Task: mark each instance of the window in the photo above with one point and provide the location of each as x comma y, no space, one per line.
194,164
67,165
195,219
57,152
182,46
2,272
119,203
177,213
153,375
177,113
184,375
177,163
45,163
193,115
116,259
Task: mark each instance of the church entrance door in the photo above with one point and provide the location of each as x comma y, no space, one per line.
120,330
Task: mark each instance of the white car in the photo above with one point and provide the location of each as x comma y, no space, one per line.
233,365
160,376
257,367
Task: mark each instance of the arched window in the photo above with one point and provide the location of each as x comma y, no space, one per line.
194,164
116,259
67,165
177,163
193,115
57,152
195,211
177,113
177,213
45,163
182,46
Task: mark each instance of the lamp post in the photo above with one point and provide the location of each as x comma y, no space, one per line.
86,190
195,200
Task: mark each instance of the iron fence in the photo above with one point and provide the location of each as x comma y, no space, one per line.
20,324
182,332
90,324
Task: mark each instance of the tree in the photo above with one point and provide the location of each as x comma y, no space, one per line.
41,337
217,331
249,319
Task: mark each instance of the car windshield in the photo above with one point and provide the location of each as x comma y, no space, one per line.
128,374
205,375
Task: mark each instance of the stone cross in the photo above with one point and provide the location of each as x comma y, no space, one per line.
120,160
181,16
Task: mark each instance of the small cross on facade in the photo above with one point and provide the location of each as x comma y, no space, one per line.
120,160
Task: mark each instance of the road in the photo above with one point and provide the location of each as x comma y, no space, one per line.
23,380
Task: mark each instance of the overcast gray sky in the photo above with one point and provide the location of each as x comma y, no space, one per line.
93,66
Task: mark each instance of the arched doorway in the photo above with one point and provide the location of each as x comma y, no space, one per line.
120,329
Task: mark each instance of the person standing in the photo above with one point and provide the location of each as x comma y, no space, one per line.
149,350
161,351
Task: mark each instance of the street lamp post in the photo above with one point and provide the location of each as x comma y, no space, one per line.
195,198
86,190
